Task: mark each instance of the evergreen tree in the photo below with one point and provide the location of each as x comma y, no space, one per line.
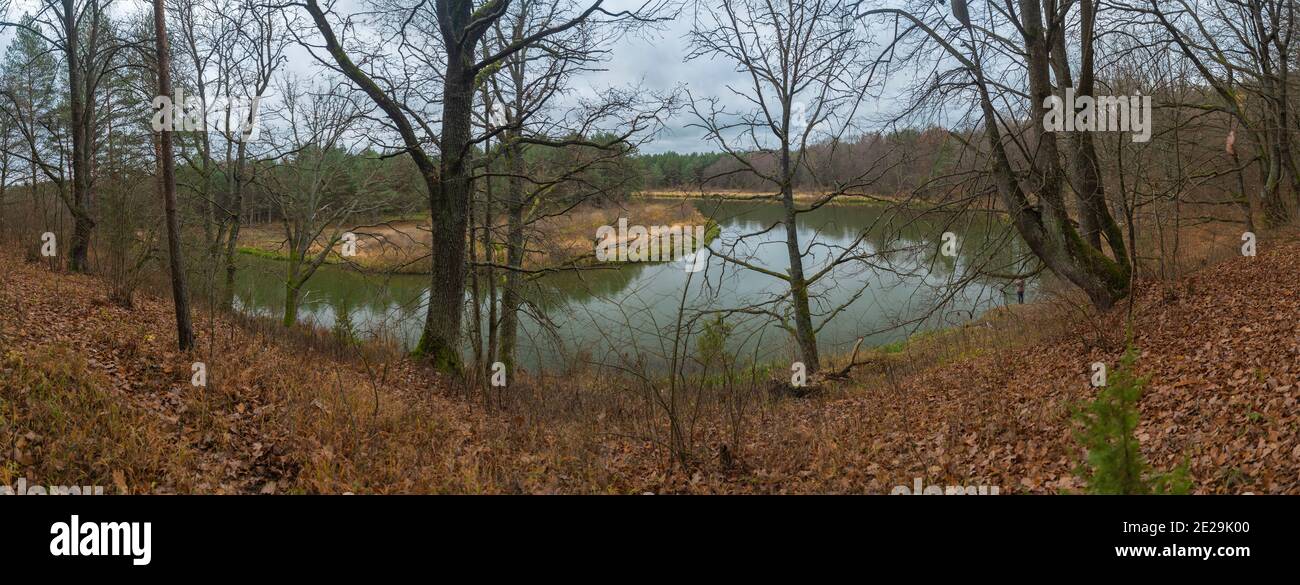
1114,463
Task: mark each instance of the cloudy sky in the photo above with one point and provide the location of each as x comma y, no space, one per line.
654,59
657,59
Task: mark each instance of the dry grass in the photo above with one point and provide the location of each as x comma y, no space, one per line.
403,245
63,423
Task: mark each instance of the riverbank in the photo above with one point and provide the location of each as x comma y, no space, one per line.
402,245
92,393
805,197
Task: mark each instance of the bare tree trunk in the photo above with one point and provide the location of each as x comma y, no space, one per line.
511,299
167,187
291,290
448,199
236,214
489,274
4,184
803,327
1047,229
82,223
461,25
476,307
1274,206
447,181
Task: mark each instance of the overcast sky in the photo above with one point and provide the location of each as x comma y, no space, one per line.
657,60
653,59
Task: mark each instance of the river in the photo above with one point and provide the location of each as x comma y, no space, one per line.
626,315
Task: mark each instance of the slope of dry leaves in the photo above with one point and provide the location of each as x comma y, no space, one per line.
92,393
1221,347
273,418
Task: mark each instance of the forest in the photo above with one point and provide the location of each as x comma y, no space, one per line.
863,246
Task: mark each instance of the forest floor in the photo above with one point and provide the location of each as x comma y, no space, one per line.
402,245
95,393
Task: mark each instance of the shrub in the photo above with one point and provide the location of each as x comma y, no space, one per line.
1114,462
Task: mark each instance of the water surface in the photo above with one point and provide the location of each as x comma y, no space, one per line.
898,283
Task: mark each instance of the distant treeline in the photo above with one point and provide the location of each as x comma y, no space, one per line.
903,160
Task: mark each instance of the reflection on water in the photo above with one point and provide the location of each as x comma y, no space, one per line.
892,282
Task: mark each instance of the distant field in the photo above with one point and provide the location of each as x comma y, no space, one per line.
402,245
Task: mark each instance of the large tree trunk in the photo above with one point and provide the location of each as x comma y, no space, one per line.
167,186
82,230
448,181
1085,177
1048,229
511,297
1273,86
1284,124
475,302
83,224
1095,220
1271,201
448,204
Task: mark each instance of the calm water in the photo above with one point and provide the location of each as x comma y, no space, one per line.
898,284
